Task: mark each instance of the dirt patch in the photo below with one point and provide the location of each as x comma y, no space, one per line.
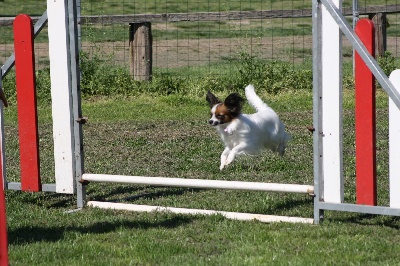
197,52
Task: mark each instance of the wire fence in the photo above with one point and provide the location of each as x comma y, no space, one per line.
189,36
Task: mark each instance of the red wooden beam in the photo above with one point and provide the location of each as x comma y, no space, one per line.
3,221
26,101
365,119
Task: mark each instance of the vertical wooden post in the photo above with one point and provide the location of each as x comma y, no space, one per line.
26,102
394,145
379,20
141,50
365,119
333,188
61,96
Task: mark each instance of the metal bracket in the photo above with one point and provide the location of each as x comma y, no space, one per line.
84,182
311,129
82,120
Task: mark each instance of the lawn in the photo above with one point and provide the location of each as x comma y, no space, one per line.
160,129
168,136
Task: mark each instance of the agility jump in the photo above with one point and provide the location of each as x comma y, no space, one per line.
328,187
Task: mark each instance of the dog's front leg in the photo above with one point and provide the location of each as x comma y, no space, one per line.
232,127
224,156
232,154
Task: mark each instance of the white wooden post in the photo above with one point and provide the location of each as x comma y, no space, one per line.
332,108
394,145
61,95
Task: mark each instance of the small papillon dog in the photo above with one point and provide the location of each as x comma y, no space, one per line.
246,133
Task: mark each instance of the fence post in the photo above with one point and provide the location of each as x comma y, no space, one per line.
140,50
379,20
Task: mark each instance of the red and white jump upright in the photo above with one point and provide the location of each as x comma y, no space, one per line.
328,22
62,17
62,62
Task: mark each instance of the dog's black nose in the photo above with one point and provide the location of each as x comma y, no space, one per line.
213,122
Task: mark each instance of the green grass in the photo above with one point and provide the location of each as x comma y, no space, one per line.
168,136
160,129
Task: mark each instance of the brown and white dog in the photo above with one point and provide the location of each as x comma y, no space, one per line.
246,133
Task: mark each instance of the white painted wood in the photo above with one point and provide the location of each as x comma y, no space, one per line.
332,108
229,215
394,145
61,96
198,183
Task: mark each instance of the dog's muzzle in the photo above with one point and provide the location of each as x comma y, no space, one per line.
213,122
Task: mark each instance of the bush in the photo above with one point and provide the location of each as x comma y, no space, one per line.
100,77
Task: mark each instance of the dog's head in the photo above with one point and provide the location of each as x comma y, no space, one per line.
224,112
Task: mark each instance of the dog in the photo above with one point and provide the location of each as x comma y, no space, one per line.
246,133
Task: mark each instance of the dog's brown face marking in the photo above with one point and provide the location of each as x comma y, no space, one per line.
222,114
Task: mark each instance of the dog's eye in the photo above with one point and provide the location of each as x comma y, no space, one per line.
220,116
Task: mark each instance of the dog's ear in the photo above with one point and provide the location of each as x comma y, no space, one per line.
212,99
234,103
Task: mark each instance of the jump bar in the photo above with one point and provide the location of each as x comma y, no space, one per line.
229,215
199,183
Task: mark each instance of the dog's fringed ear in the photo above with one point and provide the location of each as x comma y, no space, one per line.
234,103
212,99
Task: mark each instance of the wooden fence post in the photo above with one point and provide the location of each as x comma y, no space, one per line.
379,20
141,50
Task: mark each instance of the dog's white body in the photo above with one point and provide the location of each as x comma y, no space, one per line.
250,133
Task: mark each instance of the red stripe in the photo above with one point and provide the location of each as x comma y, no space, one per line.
26,101
3,218
365,119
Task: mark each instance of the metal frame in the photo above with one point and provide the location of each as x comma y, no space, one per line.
74,47
319,204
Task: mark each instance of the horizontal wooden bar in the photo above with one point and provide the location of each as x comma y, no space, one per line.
215,16
230,15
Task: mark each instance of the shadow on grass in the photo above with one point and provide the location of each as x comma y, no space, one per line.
364,219
45,199
28,234
115,194
288,207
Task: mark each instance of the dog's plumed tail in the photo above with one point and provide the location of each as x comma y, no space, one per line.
254,100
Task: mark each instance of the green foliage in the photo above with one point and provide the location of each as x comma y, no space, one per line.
387,62
100,77
273,76
43,85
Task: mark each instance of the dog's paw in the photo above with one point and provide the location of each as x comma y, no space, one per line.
229,130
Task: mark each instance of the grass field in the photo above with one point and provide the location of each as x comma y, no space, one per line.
168,136
160,129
